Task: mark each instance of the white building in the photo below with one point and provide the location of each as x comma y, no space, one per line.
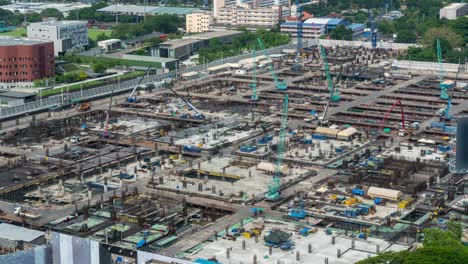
245,15
110,45
198,22
218,4
454,10
66,35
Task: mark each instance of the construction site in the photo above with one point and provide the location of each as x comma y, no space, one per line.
315,155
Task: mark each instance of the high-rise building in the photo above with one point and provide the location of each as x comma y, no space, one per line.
22,61
198,22
454,10
65,34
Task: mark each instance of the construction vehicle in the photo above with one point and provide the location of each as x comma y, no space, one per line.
132,98
198,114
298,212
253,84
273,193
334,95
445,113
84,107
20,211
280,85
105,133
387,114
444,86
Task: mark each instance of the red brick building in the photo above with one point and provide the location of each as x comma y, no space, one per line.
24,60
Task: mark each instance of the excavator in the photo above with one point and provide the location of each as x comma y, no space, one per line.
83,107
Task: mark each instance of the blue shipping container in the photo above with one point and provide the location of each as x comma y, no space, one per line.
320,137
378,201
443,148
357,191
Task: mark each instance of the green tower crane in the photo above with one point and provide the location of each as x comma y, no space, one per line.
280,85
334,95
443,86
273,193
253,84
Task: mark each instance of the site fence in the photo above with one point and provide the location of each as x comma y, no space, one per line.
124,86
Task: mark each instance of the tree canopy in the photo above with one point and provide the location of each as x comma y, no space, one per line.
52,12
245,42
342,33
441,247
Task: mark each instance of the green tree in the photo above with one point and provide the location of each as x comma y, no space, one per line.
33,17
406,36
9,17
102,36
5,2
99,67
360,17
342,33
454,40
52,12
460,26
441,247
386,27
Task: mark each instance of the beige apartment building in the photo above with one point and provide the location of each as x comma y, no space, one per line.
245,15
198,22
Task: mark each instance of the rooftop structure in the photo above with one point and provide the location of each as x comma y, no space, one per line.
15,57
454,10
65,34
139,10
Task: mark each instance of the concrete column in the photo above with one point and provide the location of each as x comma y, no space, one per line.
333,240
353,244
213,189
200,187
298,256
228,253
243,244
309,248
338,253
17,121
255,259
270,250
377,249
90,194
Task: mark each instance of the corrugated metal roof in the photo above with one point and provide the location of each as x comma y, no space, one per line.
348,132
326,131
16,94
355,26
384,193
18,233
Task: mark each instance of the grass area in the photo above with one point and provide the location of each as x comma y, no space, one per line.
93,33
115,61
18,32
88,85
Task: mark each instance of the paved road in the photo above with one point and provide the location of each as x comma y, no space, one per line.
372,97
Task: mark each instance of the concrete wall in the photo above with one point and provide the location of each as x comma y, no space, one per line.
427,66
37,255
385,45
